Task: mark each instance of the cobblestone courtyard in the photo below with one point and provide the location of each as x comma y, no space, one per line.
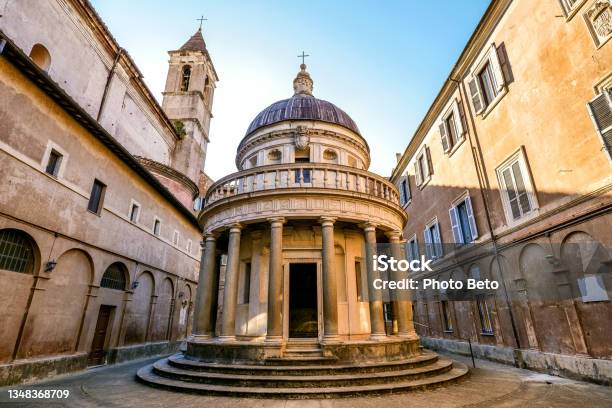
489,385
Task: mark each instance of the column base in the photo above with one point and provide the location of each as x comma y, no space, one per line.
378,336
225,339
273,339
197,337
331,338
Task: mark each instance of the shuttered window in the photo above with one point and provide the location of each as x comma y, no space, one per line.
600,109
433,241
452,127
412,249
422,167
489,78
463,222
404,189
516,188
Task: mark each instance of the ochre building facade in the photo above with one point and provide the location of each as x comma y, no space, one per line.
508,177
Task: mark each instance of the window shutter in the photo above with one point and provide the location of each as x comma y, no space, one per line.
511,193
523,196
437,239
600,109
427,239
457,237
475,95
504,63
417,172
444,137
497,72
458,118
471,219
428,162
402,190
462,116
408,192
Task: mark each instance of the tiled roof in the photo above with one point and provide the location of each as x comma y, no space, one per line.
195,43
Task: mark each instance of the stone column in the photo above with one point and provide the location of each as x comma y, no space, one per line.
402,299
275,281
230,291
330,291
207,289
377,321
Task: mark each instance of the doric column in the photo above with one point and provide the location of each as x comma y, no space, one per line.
330,291
207,289
275,281
402,303
377,321
230,291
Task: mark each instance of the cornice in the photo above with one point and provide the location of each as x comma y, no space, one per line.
160,168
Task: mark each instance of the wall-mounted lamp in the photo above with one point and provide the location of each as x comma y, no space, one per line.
181,294
135,284
50,265
552,260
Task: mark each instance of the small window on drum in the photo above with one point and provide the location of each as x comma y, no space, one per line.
275,156
114,277
16,251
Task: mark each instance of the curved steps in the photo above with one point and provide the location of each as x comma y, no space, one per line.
304,381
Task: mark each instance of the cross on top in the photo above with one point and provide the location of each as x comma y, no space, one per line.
303,57
201,20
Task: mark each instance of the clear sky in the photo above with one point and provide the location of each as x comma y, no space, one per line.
383,62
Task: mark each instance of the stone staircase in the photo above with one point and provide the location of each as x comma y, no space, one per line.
302,372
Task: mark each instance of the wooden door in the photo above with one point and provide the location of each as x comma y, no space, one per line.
97,355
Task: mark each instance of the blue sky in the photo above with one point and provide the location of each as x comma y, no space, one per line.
383,62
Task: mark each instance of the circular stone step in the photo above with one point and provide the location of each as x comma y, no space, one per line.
330,379
148,376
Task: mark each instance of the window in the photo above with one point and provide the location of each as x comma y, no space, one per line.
446,316
246,284
599,21
41,57
114,277
412,249
54,163
96,198
489,77
185,77
358,282
433,241
134,212
302,175
485,315
16,251
157,227
517,192
422,167
175,238
404,189
462,222
451,127
275,156
600,109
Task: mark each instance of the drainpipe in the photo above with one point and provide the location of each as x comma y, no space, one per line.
477,153
108,82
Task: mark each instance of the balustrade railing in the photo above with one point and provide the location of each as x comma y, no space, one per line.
302,175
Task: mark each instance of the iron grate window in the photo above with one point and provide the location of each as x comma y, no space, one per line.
16,251
114,277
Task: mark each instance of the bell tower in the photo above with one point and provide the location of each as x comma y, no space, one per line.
187,101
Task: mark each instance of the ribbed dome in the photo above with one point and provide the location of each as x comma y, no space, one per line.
302,106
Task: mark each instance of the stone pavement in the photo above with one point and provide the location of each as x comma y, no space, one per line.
489,385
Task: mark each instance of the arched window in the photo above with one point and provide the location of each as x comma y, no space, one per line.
16,251
41,57
185,77
114,277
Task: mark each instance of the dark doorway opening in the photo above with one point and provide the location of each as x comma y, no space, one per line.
97,355
303,322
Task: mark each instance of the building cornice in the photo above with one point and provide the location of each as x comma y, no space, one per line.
162,169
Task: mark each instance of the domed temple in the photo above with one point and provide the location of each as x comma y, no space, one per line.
285,304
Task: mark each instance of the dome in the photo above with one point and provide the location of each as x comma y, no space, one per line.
302,107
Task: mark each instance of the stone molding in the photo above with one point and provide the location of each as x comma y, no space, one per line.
166,171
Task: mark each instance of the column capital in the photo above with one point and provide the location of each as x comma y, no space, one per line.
327,221
276,221
394,236
368,226
211,236
235,227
